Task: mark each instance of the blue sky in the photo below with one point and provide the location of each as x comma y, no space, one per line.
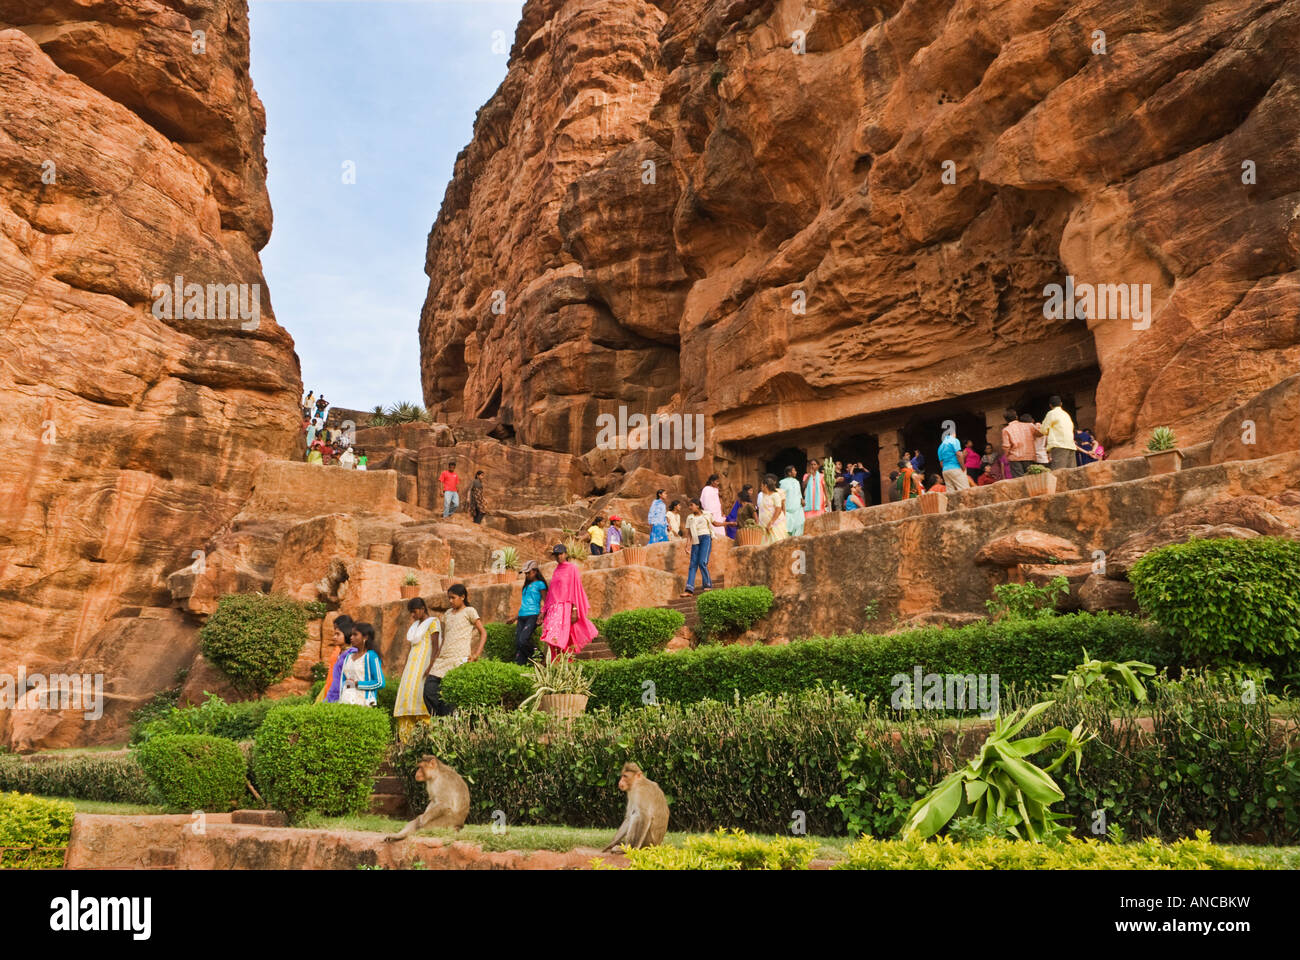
393,86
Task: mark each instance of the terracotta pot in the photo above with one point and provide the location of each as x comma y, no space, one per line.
381,552
410,590
506,576
1165,461
1037,484
750,537
933,502
562,704
633,555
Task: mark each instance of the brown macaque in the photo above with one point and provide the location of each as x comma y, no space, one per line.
646,820
448,798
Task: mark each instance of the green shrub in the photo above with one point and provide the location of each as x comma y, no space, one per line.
735,608
319,757
485,684
386,696
34,831
160,705
647,630
214,717
868,853
255,638
1018,651
195,771
1226,599
1026,601
727,850
316,688
500,645
114,777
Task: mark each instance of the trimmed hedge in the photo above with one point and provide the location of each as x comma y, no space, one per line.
732,609
1018,651
115,777
195,771
483,684
34,831
321,756
255,638
1226,599
500,643
727,850
1209,762
214,717
645,630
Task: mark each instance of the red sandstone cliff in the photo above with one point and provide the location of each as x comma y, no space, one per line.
777,172
130,153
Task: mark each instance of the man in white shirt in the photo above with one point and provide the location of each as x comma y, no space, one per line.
1060,436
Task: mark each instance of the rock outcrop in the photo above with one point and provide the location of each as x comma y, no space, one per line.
786,216
131,155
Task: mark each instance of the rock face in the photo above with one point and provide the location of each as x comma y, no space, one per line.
668,206
131,155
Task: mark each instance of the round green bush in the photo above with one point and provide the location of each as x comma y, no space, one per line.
34,831
500,643
735,608
195,771
647,630
485,684
255,638
320,757
215,717
1234,599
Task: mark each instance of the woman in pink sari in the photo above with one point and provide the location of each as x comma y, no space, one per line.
566,628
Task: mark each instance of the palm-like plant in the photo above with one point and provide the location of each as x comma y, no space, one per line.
377,418
406,412
561,675
1094,676
1162,438
1001,782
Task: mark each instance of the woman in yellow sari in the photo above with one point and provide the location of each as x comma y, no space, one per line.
423,635
771,515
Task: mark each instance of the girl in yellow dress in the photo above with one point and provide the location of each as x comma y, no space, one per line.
423,635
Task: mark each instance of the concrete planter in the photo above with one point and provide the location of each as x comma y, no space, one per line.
1164,461
562,704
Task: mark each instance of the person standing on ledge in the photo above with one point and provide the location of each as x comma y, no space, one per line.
711,502
701,531
771,510
1018,442
530,611
793,503
657,518
566,628
450,489
423,635
1059,428
950,462
477,503
596,536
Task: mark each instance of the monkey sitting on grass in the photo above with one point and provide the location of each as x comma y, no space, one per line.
448,798
646,820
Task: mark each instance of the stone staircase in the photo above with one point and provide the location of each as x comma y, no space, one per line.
598,649
389,796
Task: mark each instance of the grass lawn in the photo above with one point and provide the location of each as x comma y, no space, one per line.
118,809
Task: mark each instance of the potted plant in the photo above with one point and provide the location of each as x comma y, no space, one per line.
560,688
750,534
410,586
576,549
632,553
1039,480
933,502
1163,455
507,566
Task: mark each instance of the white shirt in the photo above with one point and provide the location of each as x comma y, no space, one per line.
713,507
697,525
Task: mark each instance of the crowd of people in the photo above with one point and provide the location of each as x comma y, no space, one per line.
326,445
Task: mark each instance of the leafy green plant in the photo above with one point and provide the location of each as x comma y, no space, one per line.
403,412
1226,599
995,853
1026,601
486,684
319,672
645,630
319,757
509,558
562,675
727,850
115,777
500,644
1094,677
1002,782
34,832
316,609
194,771
1034,468
255,638
410,580
576,550
735,608
1162,438
215,717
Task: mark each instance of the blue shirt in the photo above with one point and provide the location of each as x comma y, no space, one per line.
950,453
531,604
658,513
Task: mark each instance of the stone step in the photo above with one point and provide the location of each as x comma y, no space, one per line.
388,784
388,804
260,818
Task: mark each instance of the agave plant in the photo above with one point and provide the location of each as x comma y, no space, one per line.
1162,438
406,412
509,558
377,418
575,548
1002,782
1094,677
562,675
410,580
